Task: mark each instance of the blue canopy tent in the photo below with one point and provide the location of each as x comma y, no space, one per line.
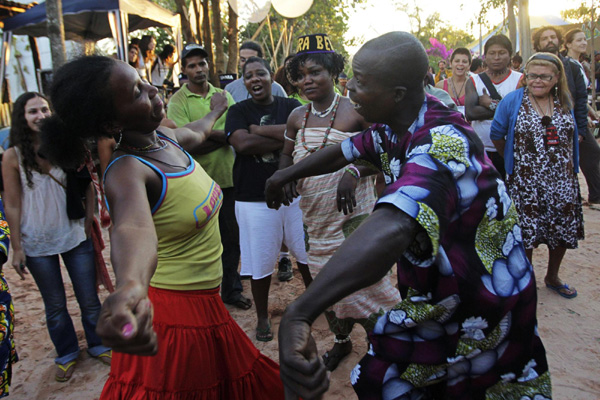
92,20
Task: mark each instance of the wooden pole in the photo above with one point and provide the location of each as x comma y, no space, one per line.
273,58
56,33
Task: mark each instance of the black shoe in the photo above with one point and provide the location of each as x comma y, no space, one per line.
284,272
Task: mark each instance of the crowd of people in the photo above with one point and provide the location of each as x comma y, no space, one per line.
454,176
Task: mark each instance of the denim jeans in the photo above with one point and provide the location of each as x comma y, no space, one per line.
82,271
231,287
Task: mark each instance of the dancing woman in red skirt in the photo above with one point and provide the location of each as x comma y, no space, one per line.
171,334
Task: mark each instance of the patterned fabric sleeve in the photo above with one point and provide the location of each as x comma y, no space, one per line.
4,234
420,182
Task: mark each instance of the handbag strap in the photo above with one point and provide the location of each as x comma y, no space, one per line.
56,180
490,86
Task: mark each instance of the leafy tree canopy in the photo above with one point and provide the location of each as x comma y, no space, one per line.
582,13
325,16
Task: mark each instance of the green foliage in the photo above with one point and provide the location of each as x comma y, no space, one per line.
325,16
582,13
163,37
433,26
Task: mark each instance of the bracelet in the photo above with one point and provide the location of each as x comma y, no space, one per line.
227,135
352,170
341,341
285,136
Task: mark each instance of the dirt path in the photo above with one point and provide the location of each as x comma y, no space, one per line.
570,330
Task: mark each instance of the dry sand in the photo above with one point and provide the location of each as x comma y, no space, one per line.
570,330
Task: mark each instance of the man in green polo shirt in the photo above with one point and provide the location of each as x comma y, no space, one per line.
191,103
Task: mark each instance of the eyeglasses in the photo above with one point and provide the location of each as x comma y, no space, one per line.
533,77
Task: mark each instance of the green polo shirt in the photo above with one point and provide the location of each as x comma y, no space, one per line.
185,107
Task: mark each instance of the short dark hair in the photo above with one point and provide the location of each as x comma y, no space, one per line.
500,40
332,62
517,58
252,45
185,59
476,64
538,34
462,50
83,106
255,59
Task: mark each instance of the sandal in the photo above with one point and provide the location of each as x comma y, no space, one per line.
65,371
243,303
105,358
264,335
333,357
564,290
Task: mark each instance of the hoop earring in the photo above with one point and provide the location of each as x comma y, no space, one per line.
120,138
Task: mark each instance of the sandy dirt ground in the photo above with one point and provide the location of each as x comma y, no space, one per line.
570,330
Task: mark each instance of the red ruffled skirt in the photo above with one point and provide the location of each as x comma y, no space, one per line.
202,355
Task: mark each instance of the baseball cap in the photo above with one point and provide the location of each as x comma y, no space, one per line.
193,48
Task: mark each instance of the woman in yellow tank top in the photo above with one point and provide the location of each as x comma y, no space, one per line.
165,244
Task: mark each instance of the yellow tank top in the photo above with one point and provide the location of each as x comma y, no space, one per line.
186,219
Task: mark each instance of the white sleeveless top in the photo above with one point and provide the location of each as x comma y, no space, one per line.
45,228
504,87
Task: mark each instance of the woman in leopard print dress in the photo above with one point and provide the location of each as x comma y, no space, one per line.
535,130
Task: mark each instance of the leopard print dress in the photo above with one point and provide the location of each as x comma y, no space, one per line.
544,185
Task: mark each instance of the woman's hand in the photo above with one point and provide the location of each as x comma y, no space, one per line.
125,322
289,193
345,193
218,102
18,263
274,195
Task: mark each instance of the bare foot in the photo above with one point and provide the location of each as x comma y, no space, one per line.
332,358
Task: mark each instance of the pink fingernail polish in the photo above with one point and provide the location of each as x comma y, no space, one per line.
127,330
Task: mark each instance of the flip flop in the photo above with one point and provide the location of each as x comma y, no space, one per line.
560,290
264,335
242,303
65,371
105,358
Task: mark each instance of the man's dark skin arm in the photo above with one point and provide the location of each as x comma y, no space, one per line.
476,107
246,143
362,260
327,160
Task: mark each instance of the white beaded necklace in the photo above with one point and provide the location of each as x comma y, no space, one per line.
323,114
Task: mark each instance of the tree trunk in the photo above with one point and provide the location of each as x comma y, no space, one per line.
198,15
56,33
218,37
232,37
184,16
512,22
207,42
524,30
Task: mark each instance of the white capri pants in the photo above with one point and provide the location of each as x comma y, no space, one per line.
262,230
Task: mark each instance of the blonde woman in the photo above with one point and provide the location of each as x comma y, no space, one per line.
535,130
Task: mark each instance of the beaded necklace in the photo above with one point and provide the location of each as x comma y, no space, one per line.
303,138
323,114
145,149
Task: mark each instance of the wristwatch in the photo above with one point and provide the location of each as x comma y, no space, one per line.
493,105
